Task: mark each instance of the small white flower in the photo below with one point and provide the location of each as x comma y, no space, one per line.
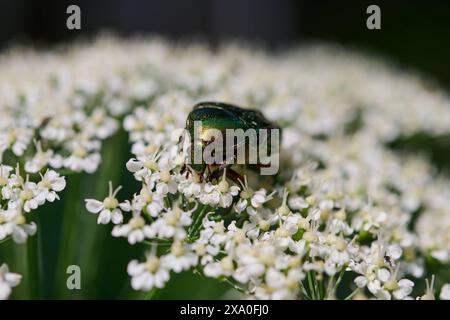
224,267
150,202
135,230
6,223
8,280
149,274
84,155
249,197
23,194
180,257
445,292
21,229
189,188
99,124
16,138
144,166
399,289
429,293
51,183
39,160
109,209
172,224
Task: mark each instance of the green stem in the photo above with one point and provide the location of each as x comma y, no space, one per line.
341,274
351,295
152,294
197,222
5,240
158,242
330,285
317,286
20,265
305,292
311,286
167,202
236,287
67,244
33,265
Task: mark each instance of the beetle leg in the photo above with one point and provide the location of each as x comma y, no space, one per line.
185,170
214,175
202,173
211,174
234,176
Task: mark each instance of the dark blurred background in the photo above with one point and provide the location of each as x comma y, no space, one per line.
414,34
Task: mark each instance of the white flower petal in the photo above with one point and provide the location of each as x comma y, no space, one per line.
93,205
104,217
445,292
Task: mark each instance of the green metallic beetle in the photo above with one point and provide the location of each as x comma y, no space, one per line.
221,116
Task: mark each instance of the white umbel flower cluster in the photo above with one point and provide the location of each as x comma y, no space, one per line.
20,196
344,203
